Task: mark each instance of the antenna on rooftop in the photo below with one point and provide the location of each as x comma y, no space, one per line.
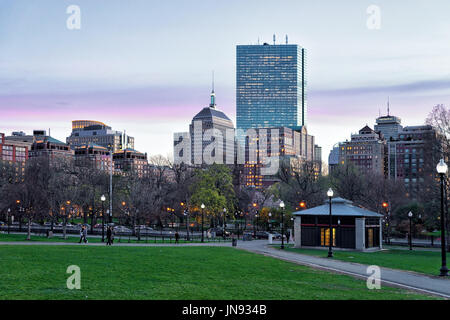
274,38
258,40
213,95
388,106
286,39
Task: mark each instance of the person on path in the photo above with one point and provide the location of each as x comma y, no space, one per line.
81,234
85,235
108,236
177,237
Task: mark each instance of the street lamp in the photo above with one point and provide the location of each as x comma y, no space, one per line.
442,170
338,242
282,224
385,205
203,207
8,218
224,224
255,224
270,223
330,238
186,214
103,199
410,215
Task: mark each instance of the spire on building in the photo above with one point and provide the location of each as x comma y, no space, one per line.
388,106
213,95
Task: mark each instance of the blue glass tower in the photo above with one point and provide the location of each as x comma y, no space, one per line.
270,86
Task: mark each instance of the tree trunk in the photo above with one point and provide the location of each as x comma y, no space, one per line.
29,229
64,228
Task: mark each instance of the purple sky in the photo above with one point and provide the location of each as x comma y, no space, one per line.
146,67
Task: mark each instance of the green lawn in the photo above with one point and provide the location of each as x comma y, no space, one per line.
39,272
422,261
76,239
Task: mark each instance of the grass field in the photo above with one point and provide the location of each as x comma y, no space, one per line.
76,239
422,261
39,272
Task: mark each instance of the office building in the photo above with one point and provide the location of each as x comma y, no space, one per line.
53,149
270,86
389,126
128,161
412,158
294,147
94,156
407,154
333,158
94,132
211,138
366,150
15,152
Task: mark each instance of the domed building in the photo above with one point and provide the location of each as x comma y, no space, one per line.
211,135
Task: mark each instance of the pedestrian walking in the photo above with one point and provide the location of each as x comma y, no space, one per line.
85,235
113,233
81,234
177,237
108,236
287,237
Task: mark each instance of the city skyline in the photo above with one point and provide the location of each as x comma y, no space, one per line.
151,73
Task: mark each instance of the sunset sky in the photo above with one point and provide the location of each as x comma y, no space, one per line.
145,66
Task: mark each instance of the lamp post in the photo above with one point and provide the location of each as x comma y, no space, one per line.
282,224
339,233
19,213
236,224
103,199
270,223
330,238
186,214
8,218
224,213
442,170
385,205
203,208
410,215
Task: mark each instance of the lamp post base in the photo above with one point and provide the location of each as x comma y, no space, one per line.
330,254
444,272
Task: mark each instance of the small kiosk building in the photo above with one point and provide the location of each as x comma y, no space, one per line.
352,227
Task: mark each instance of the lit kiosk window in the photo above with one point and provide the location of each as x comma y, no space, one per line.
353,227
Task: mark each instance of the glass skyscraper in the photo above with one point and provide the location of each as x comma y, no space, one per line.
270,86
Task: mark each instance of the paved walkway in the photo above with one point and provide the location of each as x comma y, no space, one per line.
390,277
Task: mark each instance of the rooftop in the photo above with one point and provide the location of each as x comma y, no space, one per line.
208,112
339,207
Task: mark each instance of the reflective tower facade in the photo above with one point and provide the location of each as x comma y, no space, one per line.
270,86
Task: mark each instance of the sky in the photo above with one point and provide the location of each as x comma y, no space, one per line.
145,66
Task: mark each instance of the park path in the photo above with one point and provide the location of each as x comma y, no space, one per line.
116,244
390,277
404,279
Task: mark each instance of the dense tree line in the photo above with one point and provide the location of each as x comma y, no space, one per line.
55,189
